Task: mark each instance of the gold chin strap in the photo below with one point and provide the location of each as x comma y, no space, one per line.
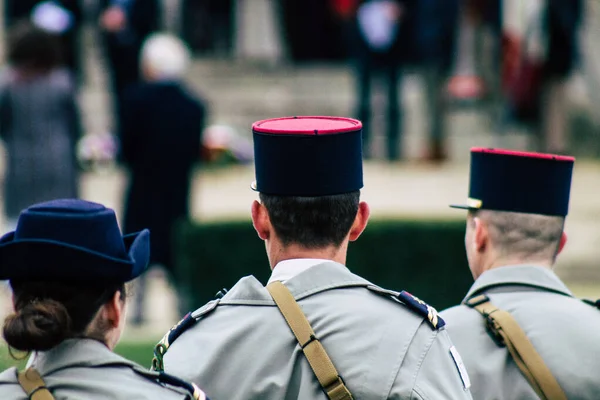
33,384
315,353
506,331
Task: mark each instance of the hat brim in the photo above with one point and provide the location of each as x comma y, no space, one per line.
462,207
472,204
41,259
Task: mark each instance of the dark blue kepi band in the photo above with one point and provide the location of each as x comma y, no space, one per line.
521,184
308,165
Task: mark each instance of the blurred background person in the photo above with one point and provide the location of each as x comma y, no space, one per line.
124,25
475,66
62,17
40,122
537,56
562,20
161,128
385,38
434,39
376,43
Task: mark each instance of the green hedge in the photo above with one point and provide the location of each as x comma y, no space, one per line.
426,258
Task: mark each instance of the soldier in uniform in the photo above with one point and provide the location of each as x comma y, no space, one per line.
316,331
67,263
522,333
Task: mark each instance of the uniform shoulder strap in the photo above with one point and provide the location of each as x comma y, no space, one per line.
186,322
163,378
414,304
326,373
506,331
593,303
33,384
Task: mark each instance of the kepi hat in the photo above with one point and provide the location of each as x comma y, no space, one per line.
308,156
522,182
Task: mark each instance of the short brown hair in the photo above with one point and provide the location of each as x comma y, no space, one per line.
527,236
312,222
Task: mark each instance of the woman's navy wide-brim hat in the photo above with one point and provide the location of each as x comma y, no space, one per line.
308,156
72,240
522,182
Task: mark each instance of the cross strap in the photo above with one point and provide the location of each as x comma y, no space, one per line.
33,384
507,332
326,373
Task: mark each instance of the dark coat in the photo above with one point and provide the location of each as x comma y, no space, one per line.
123,49
161,131
143,19
563,18
40,128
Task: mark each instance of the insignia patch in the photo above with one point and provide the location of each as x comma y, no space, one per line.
164,378
462,370
422,308
196,392
186,322
161,348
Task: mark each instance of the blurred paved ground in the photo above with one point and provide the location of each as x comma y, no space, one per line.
240,93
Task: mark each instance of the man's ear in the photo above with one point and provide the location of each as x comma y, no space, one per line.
480,235
261,221
562,243
360,222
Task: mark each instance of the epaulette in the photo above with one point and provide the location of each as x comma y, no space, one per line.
166,379
593,303
186,322
415,304
422,308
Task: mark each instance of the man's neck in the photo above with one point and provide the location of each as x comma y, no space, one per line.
505,262
292,252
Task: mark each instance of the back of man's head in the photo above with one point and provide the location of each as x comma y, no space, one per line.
309,174
312,222
522,237
517,206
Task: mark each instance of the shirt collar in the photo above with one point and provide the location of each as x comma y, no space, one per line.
328,275
287,269
523,275
75,353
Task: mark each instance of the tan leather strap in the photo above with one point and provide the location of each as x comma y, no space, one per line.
33,384
508,332
315,353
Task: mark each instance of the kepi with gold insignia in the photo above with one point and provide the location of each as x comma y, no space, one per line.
522,182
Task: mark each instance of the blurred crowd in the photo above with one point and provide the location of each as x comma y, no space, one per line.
466,51
467,54
158,121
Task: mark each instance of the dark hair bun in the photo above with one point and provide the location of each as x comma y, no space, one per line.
38,326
